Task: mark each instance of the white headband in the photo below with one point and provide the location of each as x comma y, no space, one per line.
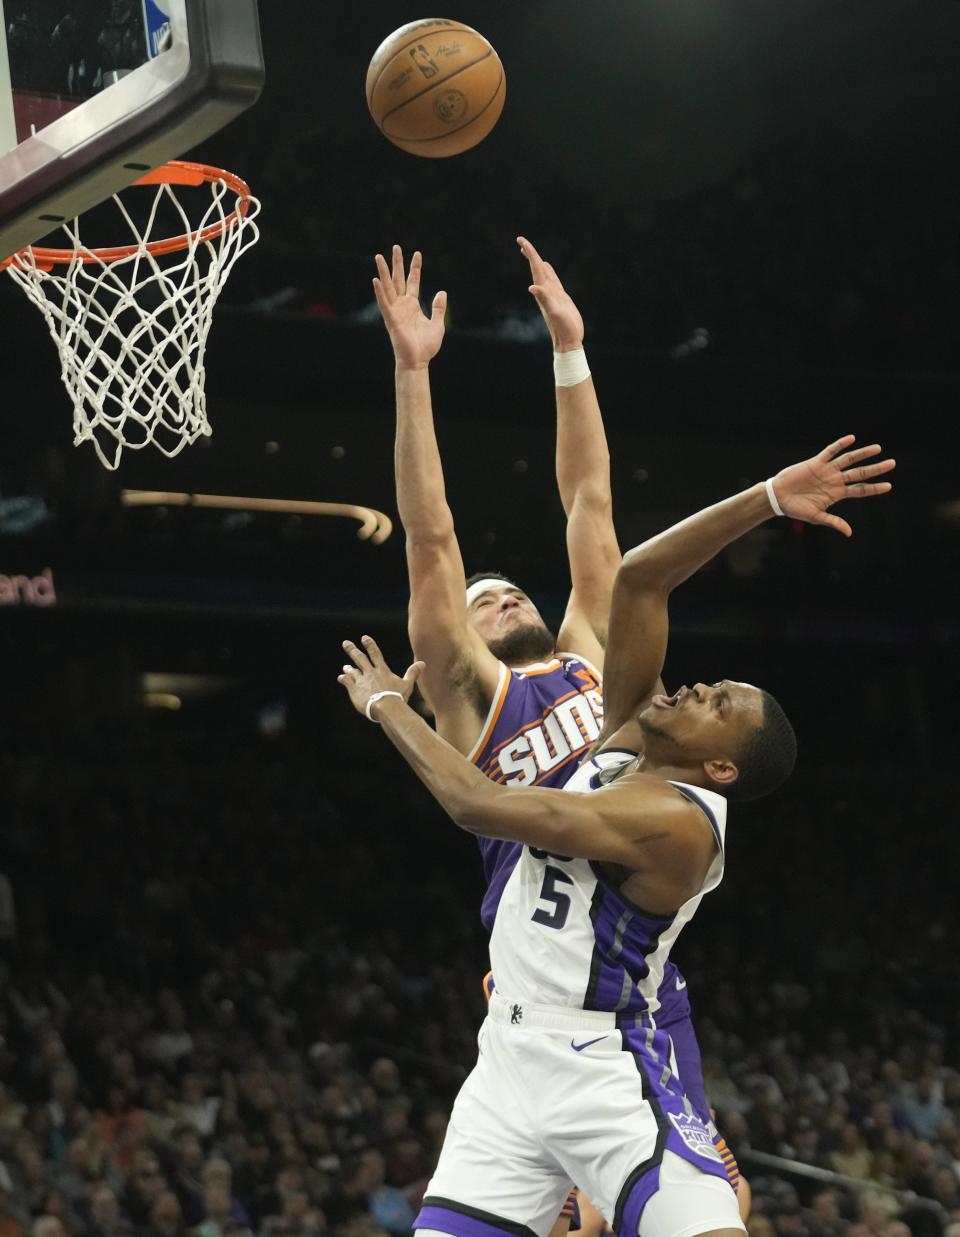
484,586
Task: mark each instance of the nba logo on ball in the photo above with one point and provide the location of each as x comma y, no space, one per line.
409,92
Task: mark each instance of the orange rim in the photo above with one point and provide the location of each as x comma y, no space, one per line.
173,173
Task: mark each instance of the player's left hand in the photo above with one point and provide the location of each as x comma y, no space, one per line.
556,304
370,674
806,491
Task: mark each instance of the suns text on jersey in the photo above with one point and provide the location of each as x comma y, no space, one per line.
568,728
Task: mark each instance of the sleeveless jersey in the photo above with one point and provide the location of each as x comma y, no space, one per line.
564,937
542,719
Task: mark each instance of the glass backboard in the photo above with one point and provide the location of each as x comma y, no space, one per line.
93,93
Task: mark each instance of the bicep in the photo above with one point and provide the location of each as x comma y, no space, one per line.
612,825
439,629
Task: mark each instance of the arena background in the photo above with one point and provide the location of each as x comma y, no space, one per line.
227,905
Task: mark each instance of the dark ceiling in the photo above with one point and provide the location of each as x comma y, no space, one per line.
768,179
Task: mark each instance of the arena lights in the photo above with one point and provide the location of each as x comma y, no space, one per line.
375,526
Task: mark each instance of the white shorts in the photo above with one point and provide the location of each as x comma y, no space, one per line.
562,1096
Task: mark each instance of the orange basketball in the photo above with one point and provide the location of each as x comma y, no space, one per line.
435,87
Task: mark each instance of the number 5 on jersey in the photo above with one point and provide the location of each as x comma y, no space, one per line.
556,916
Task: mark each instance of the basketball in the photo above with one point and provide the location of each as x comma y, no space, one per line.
435,88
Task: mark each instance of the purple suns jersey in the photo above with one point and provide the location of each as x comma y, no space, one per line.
542,720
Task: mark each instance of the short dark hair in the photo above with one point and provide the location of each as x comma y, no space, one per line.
489,575
767,756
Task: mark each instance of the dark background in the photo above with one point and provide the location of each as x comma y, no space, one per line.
754,208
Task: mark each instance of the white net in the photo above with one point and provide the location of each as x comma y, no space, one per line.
132,331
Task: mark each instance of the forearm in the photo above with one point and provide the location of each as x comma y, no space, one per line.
421,497
583,460
469,798
673,556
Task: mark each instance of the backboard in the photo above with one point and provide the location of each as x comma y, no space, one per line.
93,93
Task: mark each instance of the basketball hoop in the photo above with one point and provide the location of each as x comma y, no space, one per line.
131,322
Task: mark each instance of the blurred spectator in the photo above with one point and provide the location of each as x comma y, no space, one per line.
166,1217
105,1217
924,1109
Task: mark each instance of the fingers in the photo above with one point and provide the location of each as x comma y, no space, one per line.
868,491
854,457
357,656
530,253
399,280
833,521
840,445
853,475
414,671
372,650
383,283
439,306
381,295
528,250
413,278
349,677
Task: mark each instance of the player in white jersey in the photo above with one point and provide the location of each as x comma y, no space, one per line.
574,1079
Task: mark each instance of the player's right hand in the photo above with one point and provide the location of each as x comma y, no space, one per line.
556,304
370,674
416,338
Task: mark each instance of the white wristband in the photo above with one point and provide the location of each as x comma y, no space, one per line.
768,484
373,700
570,368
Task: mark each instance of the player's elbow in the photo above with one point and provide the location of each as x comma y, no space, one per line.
591,501
473,813
432,533
643,570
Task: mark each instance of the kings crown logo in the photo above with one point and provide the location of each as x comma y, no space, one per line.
695,1136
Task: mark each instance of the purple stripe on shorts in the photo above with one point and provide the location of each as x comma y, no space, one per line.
637,1199
460,1225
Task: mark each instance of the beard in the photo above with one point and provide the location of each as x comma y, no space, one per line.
527,643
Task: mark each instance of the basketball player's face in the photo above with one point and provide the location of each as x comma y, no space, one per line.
510,625
708,721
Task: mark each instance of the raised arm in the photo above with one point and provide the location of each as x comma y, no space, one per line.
583,468
648,574
639,822
463,673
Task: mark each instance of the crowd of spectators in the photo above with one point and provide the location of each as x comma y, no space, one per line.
240,985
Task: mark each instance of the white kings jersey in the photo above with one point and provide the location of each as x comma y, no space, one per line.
565,937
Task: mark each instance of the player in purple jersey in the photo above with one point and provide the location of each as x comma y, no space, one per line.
521,705
471,638
571,944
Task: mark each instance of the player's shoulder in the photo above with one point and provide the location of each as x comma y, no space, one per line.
576,661
711,804
682,808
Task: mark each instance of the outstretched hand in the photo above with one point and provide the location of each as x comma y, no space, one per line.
808,490
370,674
559,312
416,338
